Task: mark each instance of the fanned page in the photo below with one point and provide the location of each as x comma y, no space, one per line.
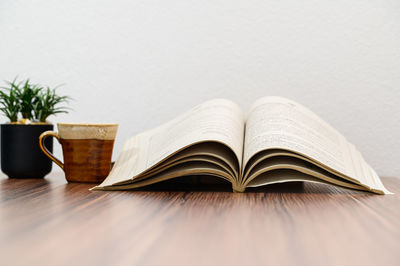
278,129
196,142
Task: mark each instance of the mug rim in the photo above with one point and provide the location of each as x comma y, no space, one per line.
87,131
88,124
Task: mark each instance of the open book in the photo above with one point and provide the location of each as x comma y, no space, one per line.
280,141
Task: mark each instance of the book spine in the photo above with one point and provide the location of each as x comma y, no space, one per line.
238,188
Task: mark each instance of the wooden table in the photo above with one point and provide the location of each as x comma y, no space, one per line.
50,222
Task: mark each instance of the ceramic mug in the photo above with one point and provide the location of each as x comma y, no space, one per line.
87,150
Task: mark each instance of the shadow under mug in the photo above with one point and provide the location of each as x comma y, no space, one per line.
87,150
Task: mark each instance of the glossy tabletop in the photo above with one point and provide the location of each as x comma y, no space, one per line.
49,222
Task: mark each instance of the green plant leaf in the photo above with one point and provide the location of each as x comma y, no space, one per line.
31,101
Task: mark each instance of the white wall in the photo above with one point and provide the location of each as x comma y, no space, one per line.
140,63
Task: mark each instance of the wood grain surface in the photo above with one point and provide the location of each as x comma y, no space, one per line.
50,222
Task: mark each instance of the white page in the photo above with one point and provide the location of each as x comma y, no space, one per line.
217,120
279,123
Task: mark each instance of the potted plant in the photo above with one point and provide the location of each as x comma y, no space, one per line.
27,106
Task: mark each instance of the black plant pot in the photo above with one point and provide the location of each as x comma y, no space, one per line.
21,156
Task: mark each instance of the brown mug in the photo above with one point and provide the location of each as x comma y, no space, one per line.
87,150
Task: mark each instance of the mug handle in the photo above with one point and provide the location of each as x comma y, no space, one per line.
42,137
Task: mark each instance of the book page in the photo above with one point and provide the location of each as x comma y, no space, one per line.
214,151
284,163
287,175
187,169
279,123
216,120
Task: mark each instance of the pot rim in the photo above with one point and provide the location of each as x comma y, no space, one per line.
10,124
